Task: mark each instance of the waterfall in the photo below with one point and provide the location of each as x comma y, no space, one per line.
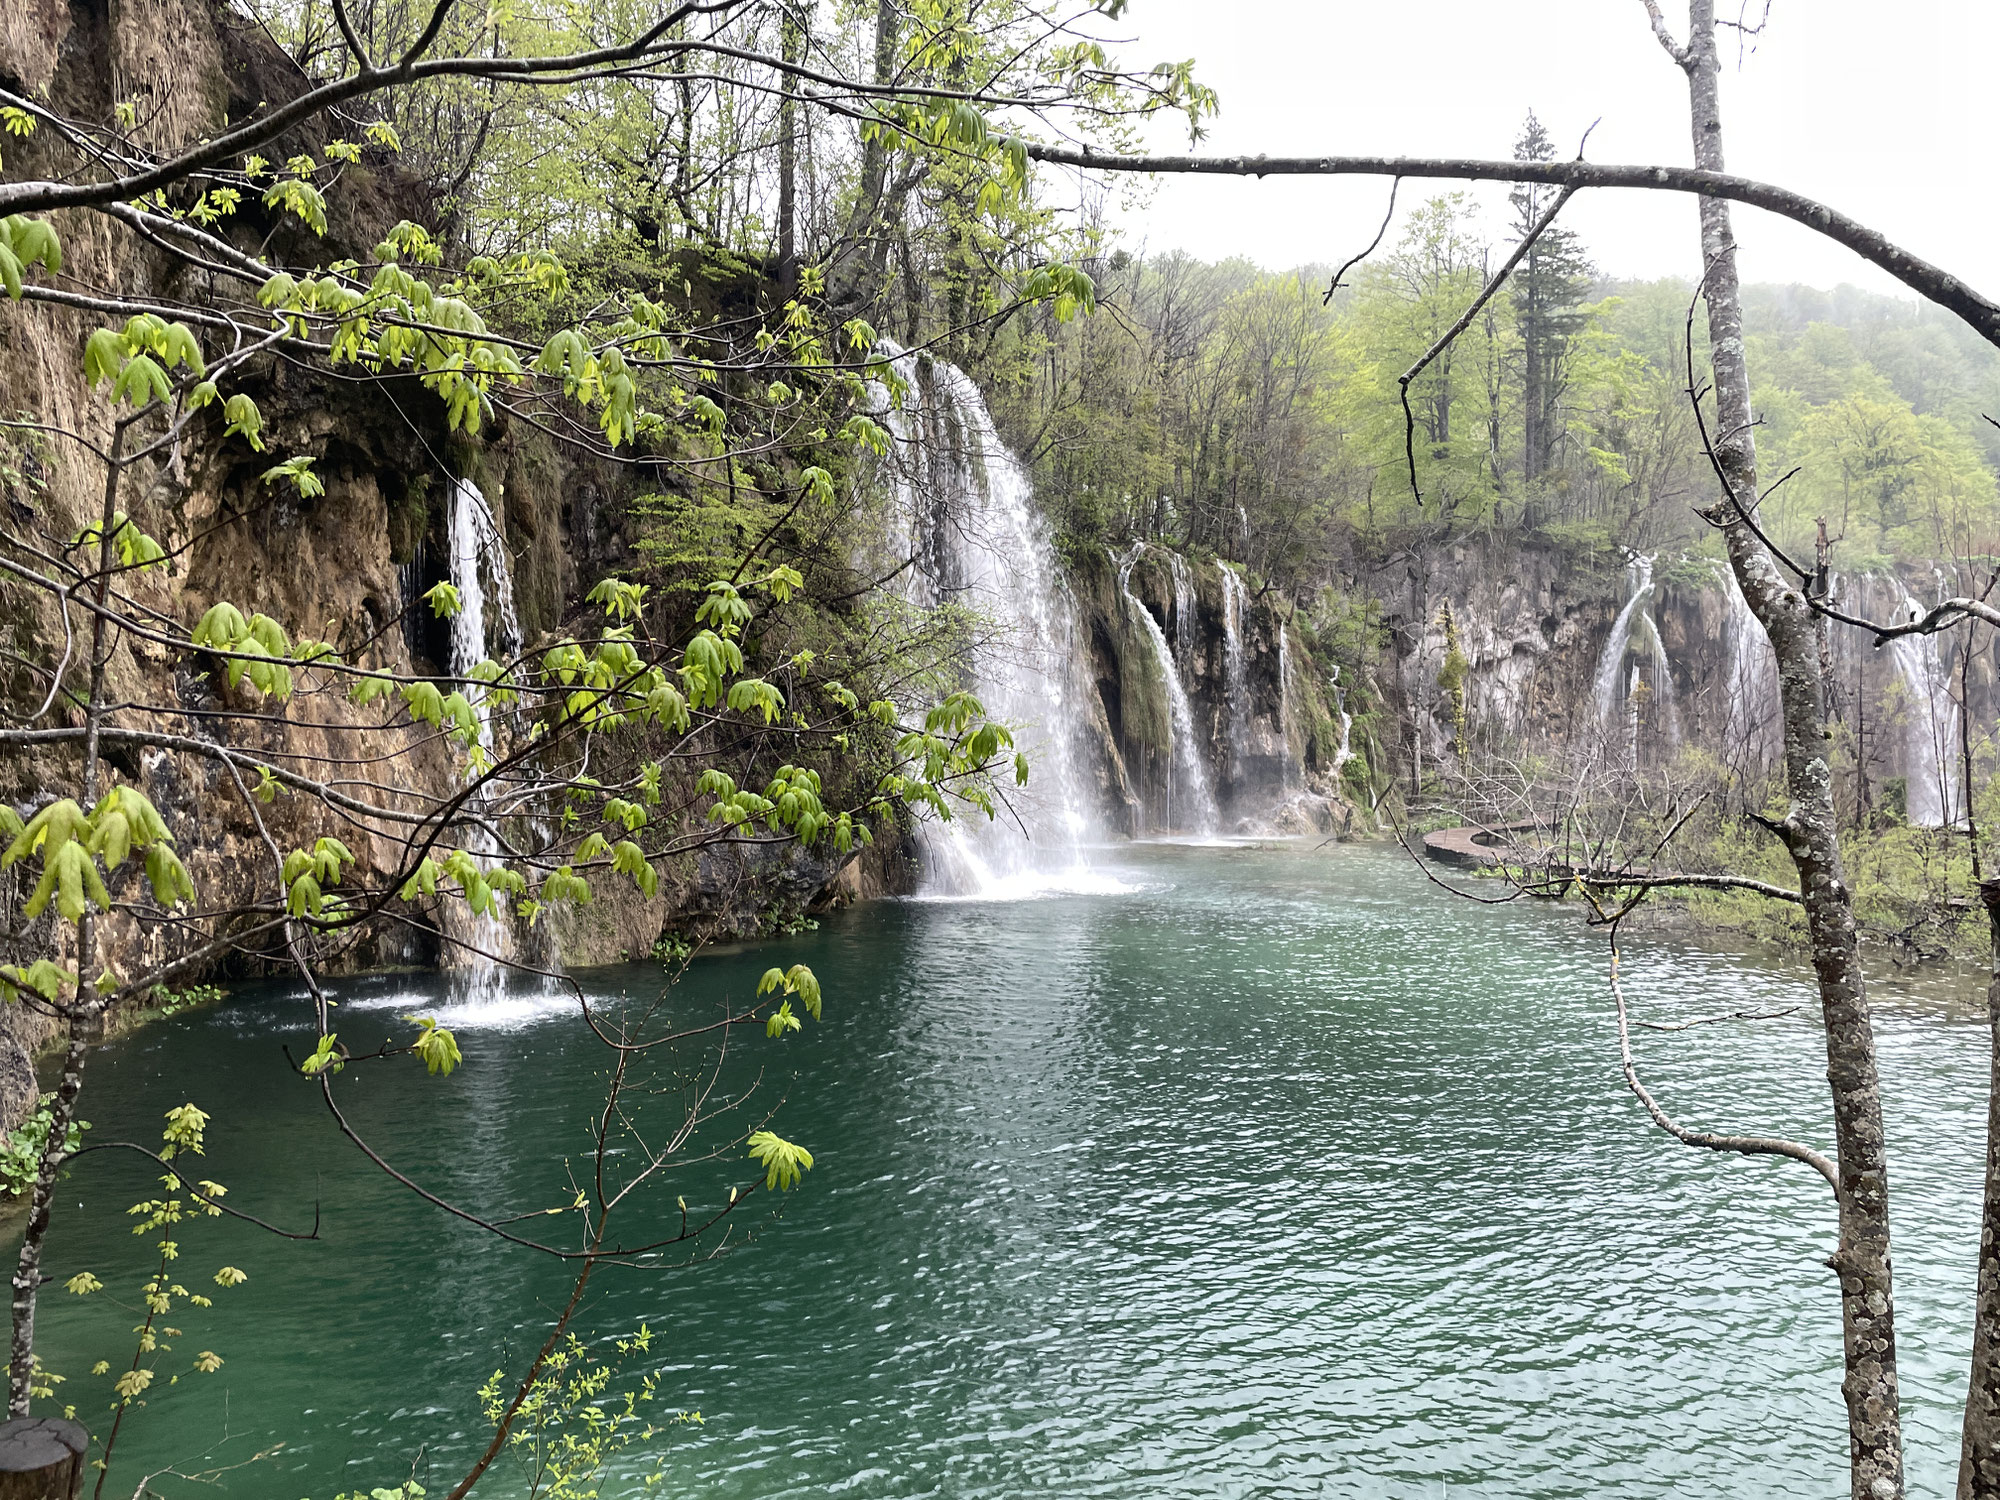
410,576
967,515
1236,687
479,573
1186,623
1344,752
1285,702
1185,771
1930,727
1632,633
1750,690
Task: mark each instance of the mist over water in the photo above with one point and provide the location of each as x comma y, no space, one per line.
1280,1173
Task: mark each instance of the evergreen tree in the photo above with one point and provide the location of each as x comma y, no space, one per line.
1548,287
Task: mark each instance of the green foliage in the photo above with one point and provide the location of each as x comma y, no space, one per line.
435,1047
325,1057
783,1162
168,1001
16,122
162,1297
44,978
136,360
70,875
131,546
22,1147
25,242
1234,411
250,648
298,473
572,1424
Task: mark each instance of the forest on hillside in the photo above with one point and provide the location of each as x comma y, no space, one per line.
1245,411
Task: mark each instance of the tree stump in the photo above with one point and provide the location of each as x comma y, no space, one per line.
42,1458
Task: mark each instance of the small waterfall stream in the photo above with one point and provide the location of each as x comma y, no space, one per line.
1930,725
1190,799
1344,752
1750,690
1291,768
1187,631
969,520
1236,686
1635,633
480,574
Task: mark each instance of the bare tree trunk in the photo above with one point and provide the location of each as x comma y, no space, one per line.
860,274
1965,753
1535,440
86,1014
1809,830
1861,798
792,44
1979,1459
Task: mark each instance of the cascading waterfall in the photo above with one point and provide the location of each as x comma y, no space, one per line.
1186,625
1633,632
479,572
1344,752
1930,727
1236,686
979,543
1186,774
1285,700
1751,688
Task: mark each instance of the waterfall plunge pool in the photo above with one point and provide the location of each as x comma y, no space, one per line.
1280,1173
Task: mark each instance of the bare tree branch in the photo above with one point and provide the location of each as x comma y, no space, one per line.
1928,281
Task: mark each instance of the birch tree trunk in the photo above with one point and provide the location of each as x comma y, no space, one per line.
1809,830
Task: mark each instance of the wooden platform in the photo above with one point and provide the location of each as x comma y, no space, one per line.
1475,848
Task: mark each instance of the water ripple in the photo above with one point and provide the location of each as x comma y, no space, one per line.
1271,1172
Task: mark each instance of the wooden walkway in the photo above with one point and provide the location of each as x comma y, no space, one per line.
1473,848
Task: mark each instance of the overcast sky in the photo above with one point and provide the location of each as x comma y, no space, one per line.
1887,111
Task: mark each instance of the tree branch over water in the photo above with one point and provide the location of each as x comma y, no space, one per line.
1743,1145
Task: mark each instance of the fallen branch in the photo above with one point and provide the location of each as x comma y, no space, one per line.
1735,1015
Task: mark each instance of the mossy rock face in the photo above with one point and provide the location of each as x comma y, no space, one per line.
1262,740
409,518
1314,727
534,514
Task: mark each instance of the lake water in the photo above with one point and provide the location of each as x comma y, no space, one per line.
1281,1173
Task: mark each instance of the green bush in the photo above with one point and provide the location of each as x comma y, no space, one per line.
21,1149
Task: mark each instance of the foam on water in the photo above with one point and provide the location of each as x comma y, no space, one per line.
491,1005
1043,885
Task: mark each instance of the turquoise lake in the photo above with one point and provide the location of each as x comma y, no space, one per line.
1277,1172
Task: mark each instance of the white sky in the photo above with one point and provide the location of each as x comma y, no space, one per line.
1886,109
